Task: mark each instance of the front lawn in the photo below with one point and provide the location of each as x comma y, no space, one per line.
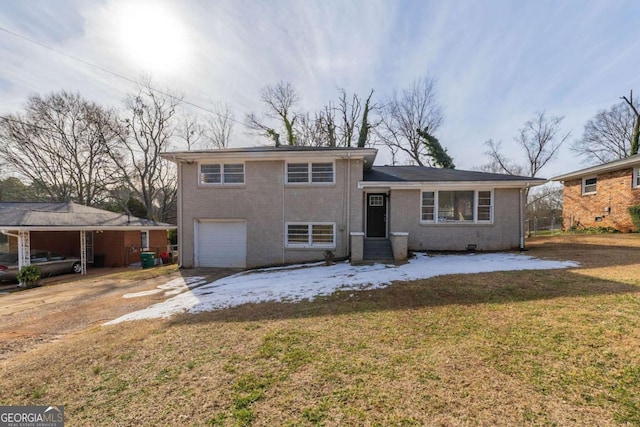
548,347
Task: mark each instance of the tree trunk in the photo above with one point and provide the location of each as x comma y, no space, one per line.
636,126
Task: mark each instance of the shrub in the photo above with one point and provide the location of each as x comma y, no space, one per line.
29,276
634,211
593,230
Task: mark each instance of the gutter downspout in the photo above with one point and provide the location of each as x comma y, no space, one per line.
180,224
348,230
284,225
6,233
522,248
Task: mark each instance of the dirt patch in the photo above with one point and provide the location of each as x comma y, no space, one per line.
32,317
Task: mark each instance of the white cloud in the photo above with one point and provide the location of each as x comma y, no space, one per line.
496,62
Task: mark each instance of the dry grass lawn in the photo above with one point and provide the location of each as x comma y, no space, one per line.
557,348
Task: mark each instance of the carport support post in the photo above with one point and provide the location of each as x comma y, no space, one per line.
24,249
83,251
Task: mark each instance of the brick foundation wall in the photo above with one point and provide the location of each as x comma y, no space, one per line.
614,190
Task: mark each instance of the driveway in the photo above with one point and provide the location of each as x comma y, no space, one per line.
34,316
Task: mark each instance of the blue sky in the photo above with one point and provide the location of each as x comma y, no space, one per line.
496,63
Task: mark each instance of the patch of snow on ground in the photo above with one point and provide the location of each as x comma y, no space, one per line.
174,287
309,281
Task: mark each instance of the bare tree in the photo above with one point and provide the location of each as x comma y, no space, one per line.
498,163
219,127
547,197
280,101
349,113
149,128
311,131
62,144
544,207
540,139
413,108
635,138
347,123
608,135
190,131
328,126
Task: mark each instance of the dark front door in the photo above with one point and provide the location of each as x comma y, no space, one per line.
376,215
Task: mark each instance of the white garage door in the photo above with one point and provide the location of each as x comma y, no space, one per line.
221,244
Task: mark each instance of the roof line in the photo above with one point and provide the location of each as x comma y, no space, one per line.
605,167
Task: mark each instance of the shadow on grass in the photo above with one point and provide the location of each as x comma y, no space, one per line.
461,289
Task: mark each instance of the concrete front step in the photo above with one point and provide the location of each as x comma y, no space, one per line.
378,249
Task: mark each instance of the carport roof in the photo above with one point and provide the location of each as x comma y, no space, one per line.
68,216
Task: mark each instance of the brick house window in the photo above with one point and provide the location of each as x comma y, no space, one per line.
589,185
636,177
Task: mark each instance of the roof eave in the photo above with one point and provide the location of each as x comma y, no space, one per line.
366,154
594,170
85,227
400,185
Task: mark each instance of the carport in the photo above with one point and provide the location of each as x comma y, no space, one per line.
75,225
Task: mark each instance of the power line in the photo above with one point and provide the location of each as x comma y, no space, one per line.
105,70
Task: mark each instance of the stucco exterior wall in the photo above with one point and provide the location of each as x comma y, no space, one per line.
502,234
266,203
614,190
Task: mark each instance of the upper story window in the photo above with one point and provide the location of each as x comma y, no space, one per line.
216,173
457,206
589,185
636,177
310,173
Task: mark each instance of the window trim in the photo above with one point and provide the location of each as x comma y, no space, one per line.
636,178
309,244
309,180
476,196
584,185
222,174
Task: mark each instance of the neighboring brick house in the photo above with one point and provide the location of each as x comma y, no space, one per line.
600,196
88,233
259,206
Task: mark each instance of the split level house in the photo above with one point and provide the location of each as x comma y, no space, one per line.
600,196
261,206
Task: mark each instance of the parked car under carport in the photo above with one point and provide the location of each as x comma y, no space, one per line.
49,264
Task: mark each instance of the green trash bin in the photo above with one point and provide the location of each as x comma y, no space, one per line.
147,259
